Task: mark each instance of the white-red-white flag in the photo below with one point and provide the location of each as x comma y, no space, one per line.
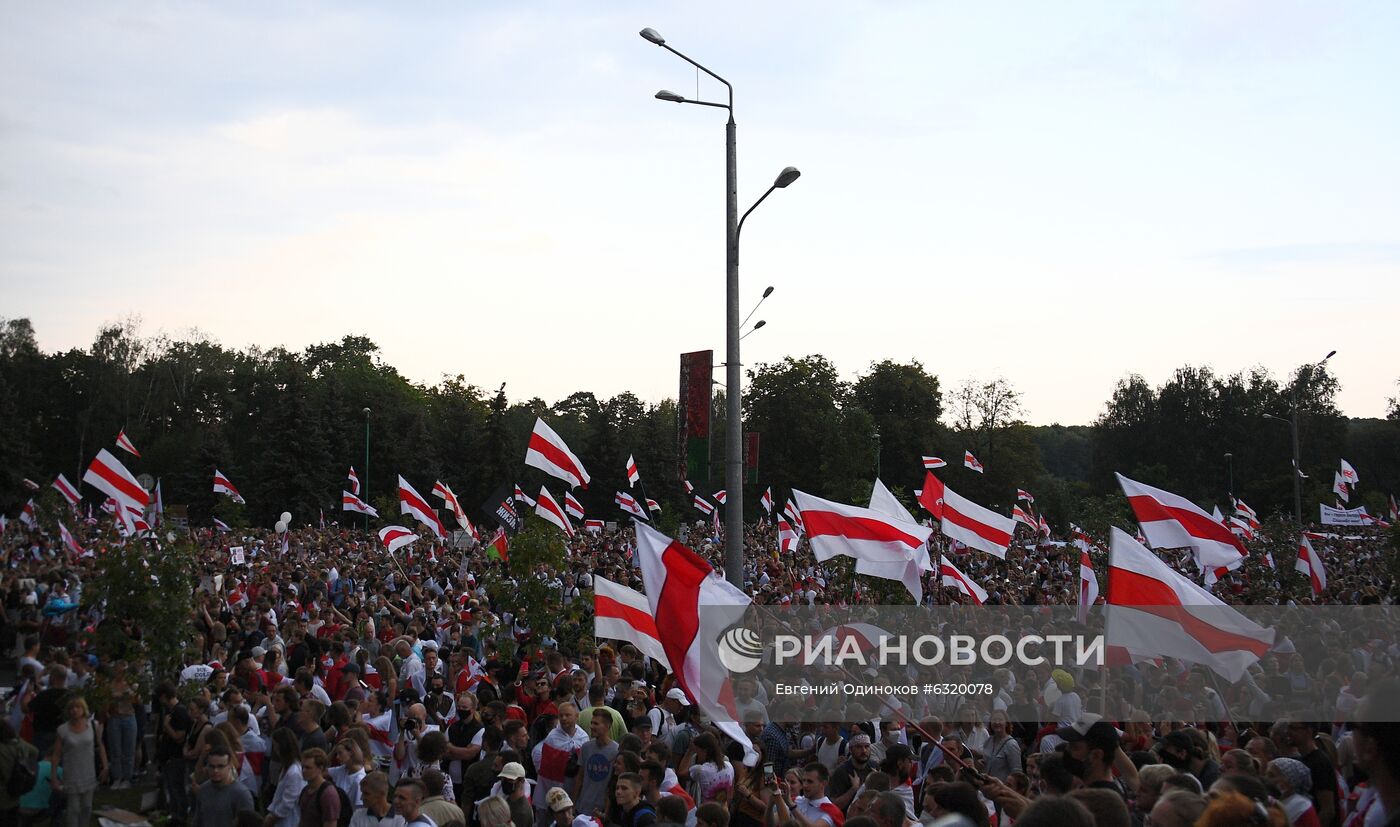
64,487
223,486
523,497
449,501
620,613
950,576
156,514
354,481
69,542
350,502
411,502
548,453
653,505
720,496
889,546
1169,520
1023,494
28,516
124,443
1242,509
1044,526
1339,487
221,525
572,506
1021,515
689,489
693,607
767,500
1311,565
110,477
628,503
549,509
1088,586
787,536
794,516
395,537
910,572
1155,611
966,521
1080,539
930,463
703,505
633,475
1349,474
593,526
969,461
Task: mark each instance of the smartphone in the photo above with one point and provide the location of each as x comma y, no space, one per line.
769,779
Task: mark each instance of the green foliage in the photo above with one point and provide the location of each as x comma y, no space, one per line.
146,588
537,545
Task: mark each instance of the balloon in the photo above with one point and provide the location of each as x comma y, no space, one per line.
281,527
287,517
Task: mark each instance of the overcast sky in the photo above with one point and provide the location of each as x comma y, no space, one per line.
1056,193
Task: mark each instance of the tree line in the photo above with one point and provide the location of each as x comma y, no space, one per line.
285,426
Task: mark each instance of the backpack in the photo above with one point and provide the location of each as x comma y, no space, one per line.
346,811
23,774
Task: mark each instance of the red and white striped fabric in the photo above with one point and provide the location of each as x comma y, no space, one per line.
620,613
449,501
350,502
1339,487
969,461
787,536
1020,515
411,502
156,514
223,486
354,481
124,443
572,506
1168,520
548,453
1349,474
628,503
1157,612
68,540
720,496
549,509
395,537
1239,526
30,484
593,526
220,525
64,487
1242,509
1394,509
1044,526
28,516
969,523
692,607
703,505
910,572
951,576
633,475
1088,586
689,489
110,477
767,500
930,463
1311,565
1023,494
523,497
1080,539
653,505
794,516
889,546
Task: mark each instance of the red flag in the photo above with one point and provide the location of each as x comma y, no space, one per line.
620,613
931,496
499,546
124,443
548,453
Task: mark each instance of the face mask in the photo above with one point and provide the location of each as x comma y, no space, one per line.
1174,761
463,713
1075,765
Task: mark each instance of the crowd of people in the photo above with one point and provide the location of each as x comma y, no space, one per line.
333,683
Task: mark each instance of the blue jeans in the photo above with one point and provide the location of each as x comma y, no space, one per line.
121,746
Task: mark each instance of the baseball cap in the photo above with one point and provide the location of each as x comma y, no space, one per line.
678,694
1092,728
558,800
512,771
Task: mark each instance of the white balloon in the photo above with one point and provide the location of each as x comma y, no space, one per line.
281,527
287,517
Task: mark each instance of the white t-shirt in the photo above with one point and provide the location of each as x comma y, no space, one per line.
712,781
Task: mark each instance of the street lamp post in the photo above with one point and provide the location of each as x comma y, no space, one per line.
1292,421
734,426
1230,475
366,479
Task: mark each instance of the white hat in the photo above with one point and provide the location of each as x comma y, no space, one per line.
512,771
678,694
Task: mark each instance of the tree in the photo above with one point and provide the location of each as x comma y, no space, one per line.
146,590
905,403
796,405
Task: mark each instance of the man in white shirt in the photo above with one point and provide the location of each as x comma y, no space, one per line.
411,670
812,808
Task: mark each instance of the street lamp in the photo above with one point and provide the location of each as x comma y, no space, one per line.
365,487
734,427
1230,475
1292,420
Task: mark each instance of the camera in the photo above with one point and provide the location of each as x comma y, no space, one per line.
410,725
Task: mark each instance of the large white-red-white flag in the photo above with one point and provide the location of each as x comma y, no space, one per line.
629,503
950,575
1152,610
1169,520
109,476
572,506
64,487
548,508
620,613
692,607
910,572
883,546
411,502
969,461
1088,586
350,502
124,443
1311,565
967,522
395,537
633,475
223,486
1349,474
548,453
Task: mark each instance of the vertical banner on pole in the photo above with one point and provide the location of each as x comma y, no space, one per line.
751,457
693,404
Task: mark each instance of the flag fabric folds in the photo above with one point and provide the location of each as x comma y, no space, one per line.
109,476
1168,520
1349,474
971,524
692,606
787,536
572,506
64,487
969,461
548,453
628,503
157,509
620,613
1311,565
653,505
354,481
523,497
703,505
1155,611
68,540
223,486
395,537
950,576
593,526
124,443
794,516
633,476
1339,487
1020,515
221,525
720,496
1023,494
1088,586
549,509
411,502
883,546
350,502
767,500
930,463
